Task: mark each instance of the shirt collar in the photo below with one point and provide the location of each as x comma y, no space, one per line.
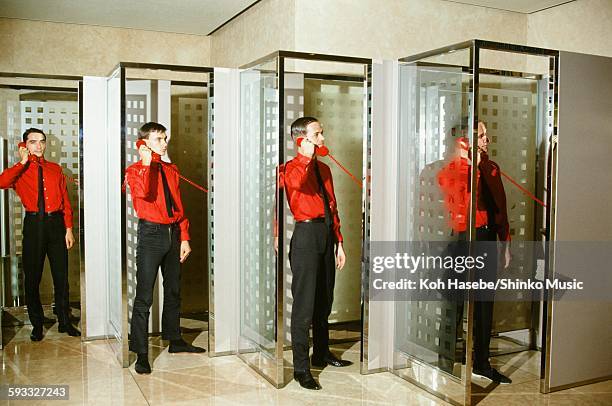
303,159
41,160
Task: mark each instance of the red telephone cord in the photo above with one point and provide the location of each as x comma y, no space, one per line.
345,170
192,183
528,193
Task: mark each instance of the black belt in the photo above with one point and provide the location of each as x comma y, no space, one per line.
481,228
151,223
485,228
47,214
317,220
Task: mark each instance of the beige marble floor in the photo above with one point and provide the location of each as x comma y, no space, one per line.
94,377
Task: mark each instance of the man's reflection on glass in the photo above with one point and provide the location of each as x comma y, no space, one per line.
491,223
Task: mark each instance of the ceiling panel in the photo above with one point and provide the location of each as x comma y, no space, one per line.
180,16
519,6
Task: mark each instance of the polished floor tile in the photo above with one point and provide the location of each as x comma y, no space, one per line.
95,378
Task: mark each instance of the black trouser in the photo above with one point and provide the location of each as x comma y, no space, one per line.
45,236
483,299
314,271
158,245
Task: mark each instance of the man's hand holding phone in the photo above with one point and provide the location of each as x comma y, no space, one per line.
145,154
308,148
23,153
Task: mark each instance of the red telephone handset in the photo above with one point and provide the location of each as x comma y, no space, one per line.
155,157
31,157
463,143
324,151
321,151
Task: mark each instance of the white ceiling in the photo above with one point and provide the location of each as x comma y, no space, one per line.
199,17
520,6
180,16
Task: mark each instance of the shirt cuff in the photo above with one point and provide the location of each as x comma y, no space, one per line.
339,237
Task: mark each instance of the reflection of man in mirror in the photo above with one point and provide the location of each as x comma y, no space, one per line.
163,241
316,250
491,224
47,228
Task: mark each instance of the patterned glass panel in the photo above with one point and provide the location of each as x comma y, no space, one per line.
259,160
433,114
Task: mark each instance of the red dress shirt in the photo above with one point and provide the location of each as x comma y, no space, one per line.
24,179
299,180
148,194
454,182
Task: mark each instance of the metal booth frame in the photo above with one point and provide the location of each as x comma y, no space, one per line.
278,379
119,71
475,46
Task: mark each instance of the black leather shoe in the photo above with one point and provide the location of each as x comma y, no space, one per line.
330,359
69,329
493,375
142,364
306,380
37,333
182,346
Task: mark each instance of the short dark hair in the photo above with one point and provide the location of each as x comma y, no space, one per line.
149,128
33,130
298,127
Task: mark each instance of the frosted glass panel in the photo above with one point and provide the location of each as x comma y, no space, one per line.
433,116
259,160
115,290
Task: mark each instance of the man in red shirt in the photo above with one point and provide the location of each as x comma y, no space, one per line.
491,224
315,250
163,240
47,228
